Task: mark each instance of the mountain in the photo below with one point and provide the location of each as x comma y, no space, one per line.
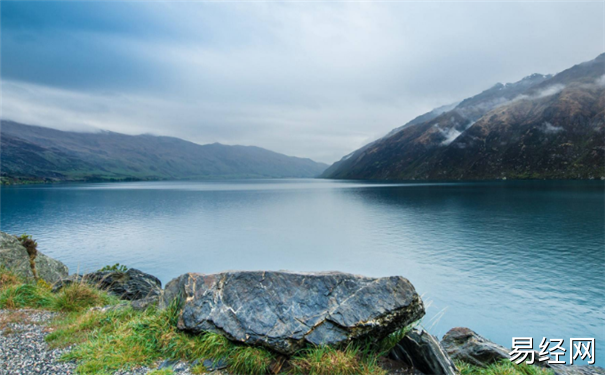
540,127
38,153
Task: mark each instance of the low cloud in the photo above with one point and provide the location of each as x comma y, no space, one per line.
450,134
551,90
547,91
549,128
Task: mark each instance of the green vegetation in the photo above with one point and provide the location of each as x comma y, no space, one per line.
124,338
115,268
161,372
503,367
118,337
326,360
15,293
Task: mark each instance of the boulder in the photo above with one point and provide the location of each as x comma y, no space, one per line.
466,345
14,257
130,285
422,351
284,311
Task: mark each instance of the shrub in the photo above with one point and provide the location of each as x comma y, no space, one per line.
115,268
31,247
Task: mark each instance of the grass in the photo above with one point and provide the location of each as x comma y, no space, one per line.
16,293
503,367
326,360
118,339
124,338
161,372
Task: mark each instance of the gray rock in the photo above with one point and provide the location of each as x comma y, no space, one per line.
175,291
145,303
466,345
423,351
130,285
167,364
214,365
284,311
14,257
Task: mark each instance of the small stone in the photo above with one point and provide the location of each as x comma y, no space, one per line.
214,365
167,364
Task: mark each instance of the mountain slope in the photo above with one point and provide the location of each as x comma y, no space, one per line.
37,153
539,127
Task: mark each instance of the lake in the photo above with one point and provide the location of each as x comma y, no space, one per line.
503,258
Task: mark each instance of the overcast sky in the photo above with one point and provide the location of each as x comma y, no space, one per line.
307,79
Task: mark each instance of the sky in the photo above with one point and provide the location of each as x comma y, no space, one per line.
308,79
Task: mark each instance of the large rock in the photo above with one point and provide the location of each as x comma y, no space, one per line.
284,311
466,345
422,351
130,285
14,257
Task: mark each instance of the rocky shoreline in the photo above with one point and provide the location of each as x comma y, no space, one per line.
278,312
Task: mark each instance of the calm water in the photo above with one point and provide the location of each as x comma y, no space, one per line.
506,259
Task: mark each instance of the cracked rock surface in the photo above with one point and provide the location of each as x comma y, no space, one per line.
283,311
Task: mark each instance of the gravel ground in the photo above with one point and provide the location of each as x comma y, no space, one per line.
24,351
22,346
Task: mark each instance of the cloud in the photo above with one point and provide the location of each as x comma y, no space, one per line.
307,79
450,135
547,91
549,128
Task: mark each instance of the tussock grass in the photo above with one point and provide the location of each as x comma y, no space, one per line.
25,295
504,367
8,278
352,360
81,296
16,294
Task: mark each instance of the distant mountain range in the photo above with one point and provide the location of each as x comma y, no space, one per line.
33,153
540,127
